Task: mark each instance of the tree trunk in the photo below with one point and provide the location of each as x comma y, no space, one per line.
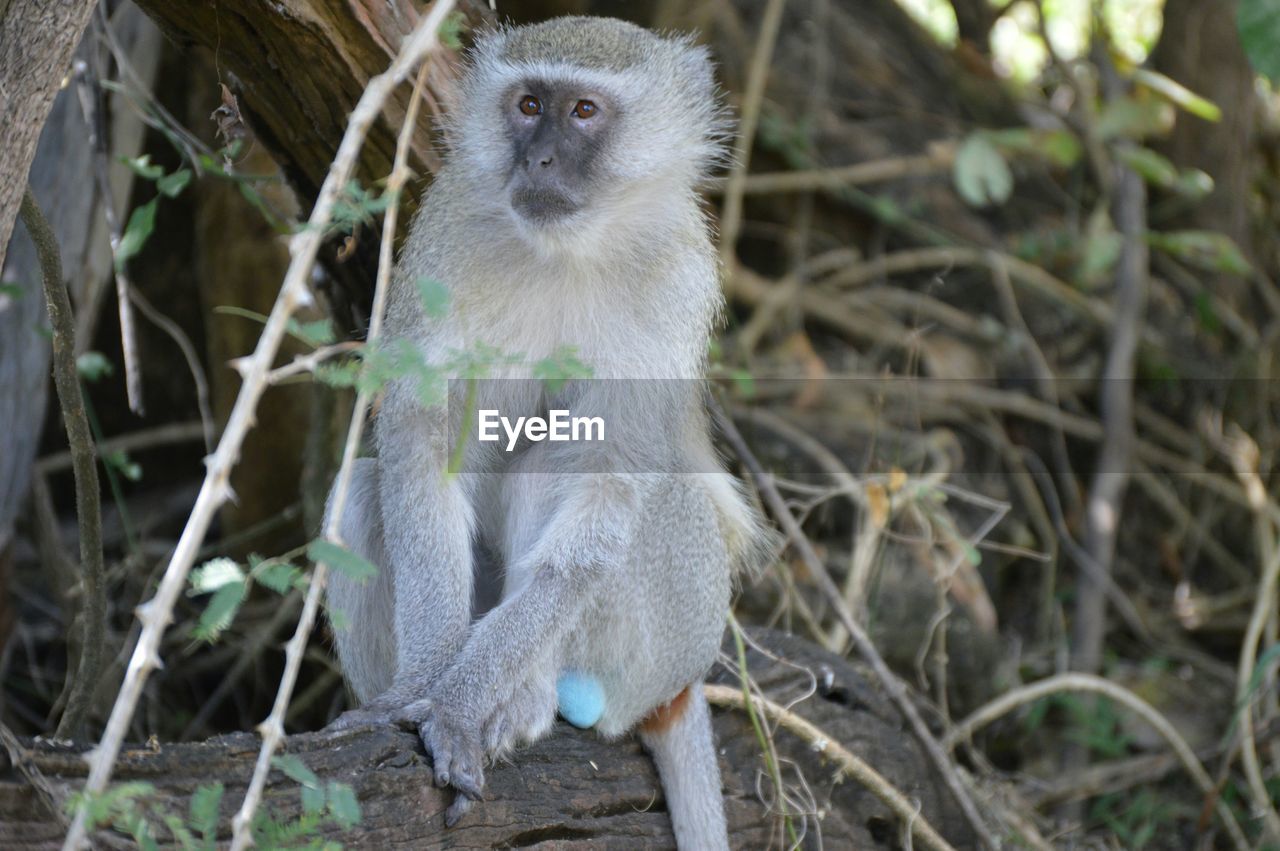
1200,48
37,38
571,790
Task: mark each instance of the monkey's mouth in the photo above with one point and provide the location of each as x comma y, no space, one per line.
542,205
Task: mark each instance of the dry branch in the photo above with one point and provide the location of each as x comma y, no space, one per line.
93,597
214,491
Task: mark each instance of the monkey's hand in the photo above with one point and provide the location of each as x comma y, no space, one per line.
455,745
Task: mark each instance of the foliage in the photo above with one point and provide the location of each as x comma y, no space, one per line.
134,809
1259,24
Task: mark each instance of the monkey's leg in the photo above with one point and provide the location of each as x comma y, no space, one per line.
679,737
365,644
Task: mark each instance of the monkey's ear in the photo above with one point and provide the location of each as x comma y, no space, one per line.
698,64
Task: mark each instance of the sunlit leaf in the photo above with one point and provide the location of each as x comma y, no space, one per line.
213,574
93,365
142,167
1178,94
981,174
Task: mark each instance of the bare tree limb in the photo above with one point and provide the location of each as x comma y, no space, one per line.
93,600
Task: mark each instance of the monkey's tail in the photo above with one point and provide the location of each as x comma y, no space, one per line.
678,736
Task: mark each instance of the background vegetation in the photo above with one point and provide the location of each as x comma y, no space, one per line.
1003,320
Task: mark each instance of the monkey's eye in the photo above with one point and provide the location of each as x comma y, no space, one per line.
585,109
530,105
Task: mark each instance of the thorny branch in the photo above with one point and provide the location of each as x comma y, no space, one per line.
215,490
272,728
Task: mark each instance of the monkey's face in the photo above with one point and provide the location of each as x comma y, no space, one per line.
558,134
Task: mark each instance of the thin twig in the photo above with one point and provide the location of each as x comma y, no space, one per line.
214,491
149,438
850,764
91,104
1244,459
757,76
866,648
188,349
1089,683
874,171
1115,455
422,42
93,608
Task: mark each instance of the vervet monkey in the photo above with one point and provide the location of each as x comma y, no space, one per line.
566,213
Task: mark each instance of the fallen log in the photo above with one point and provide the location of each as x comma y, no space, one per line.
571,790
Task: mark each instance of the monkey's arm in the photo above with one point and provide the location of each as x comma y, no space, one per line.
428,526
596,496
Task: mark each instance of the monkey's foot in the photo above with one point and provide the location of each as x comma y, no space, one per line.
454,745
522,718
360,718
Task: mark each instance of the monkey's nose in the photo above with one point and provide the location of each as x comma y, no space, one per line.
544,160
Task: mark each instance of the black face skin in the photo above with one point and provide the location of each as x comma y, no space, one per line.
558,133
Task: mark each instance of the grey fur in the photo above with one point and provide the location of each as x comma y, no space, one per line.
615,563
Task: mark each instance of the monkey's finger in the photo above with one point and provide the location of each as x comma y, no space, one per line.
440,753
460,806
468,783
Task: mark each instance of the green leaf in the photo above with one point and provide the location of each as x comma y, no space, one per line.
561,366
171,185
314,334
10,290
1150,166
341,559
1178,94
220,611
451,29
343,805
981,174
312,800
1205,314
204,810
1193,183
141,223
1259,25
279,576
142,167
93,365
434,297
213,574
1133,118
118,460
295,769
1209,250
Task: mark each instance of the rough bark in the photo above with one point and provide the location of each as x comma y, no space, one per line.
571,790
37,39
